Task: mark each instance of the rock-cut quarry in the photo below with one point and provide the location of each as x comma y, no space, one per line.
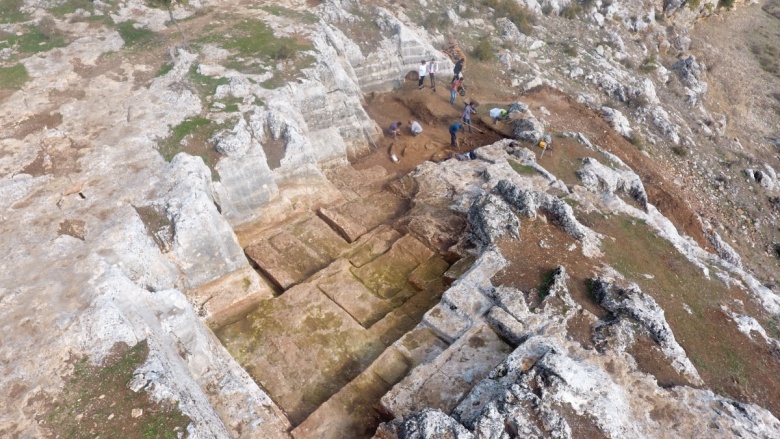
207,231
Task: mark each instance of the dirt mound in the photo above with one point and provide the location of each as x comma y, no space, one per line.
454,51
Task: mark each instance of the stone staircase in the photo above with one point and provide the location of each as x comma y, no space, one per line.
362,324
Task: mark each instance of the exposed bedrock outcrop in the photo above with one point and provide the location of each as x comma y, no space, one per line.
629,302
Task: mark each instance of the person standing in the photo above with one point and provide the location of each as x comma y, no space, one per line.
422,70
454,128
454,90
432,69
467,115
457,69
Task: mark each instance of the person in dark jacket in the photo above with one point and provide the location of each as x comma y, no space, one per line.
454,128
457,69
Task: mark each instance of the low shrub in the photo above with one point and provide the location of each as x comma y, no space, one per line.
484,51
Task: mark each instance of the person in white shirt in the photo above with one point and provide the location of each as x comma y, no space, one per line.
497,114
415,127
432,69
422,70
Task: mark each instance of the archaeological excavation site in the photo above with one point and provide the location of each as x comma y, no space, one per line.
343,219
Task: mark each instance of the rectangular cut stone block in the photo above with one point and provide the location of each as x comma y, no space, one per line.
467,298
387,274
506,325
446,323
459,268
350,413
415,248
271,262
391,366
301,260
231,294
429,273
420,345
374,210
344,289
301,347
321,238
376,243
350,229
443,383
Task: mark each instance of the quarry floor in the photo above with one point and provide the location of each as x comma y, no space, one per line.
348,282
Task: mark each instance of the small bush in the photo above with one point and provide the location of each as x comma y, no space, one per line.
514,12
547,9
649,64
571,11
437,21
694,4
569,49
638,141
728,4
483,51
679,151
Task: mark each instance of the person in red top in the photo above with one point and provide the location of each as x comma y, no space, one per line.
454,90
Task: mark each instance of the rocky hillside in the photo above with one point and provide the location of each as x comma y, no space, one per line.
206,231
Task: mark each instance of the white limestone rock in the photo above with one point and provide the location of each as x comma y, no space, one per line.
190,207
617,121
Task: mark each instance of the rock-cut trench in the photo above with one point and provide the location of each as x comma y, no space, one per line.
342,328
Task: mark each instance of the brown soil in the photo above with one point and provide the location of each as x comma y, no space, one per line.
672,201
35,123
542,247
434,112
650,359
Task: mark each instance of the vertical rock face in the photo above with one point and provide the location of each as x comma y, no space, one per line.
191,208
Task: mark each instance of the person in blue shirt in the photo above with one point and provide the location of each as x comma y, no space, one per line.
394,129
454,128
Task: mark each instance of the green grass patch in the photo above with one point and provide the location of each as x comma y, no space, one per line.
255,50
135,36
231,104
164,69
71,6
96,402
11,11
205,85
724,357
522,169
173,144
192,136
280,11
14,77
693,4
41,37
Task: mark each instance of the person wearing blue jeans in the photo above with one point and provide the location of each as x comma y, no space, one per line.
454,90
467,115
454,128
